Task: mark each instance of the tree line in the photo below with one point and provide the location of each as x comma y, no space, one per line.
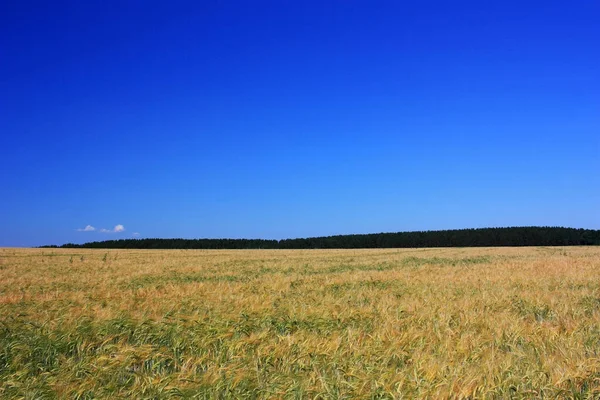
514,236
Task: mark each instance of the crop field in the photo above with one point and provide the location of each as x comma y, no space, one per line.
329,324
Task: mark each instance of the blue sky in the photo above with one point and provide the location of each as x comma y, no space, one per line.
290,119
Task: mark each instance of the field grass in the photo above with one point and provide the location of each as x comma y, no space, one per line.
385,323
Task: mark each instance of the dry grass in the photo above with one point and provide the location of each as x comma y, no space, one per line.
426,323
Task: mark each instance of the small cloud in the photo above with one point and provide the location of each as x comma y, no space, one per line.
135,234
88,228
119,228
116,229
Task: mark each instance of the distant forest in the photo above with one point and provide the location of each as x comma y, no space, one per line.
516,236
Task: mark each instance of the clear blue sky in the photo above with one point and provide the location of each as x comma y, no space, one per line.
295,118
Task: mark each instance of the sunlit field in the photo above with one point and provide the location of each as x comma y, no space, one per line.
330,324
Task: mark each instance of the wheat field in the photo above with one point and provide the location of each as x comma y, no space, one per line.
326,324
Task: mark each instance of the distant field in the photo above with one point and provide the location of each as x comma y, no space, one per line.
382,323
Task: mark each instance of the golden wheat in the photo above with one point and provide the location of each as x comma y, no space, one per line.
409,323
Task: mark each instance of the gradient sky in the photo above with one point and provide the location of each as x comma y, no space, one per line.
289,119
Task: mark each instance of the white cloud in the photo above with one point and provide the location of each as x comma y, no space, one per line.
135,234
88,228
117,229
